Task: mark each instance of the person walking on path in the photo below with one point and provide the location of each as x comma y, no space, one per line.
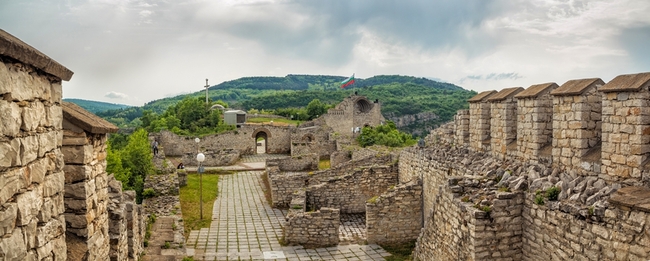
154,145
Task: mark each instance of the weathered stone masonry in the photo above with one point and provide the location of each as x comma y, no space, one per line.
602,211
32,225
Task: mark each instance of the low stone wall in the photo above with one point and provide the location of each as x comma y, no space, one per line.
283,185
339,157
349,193
166,203
311,229
395,217
303,162
213,158
125,223
621,233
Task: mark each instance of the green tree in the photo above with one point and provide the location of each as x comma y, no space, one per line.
386,135
316,108
114,165
137,158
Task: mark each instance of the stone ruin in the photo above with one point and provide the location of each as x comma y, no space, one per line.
56,200
566,179
322,136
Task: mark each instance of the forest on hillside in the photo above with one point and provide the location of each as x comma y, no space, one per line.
399,96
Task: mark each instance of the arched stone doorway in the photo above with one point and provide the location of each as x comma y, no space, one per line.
261,137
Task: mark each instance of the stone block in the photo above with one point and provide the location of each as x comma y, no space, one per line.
32,116
49,231
13,247
56,92
8,214
76,173
29,204
80,190
22,83
53,184
28,149
10,151
5,83
10,116
10,184
77,154
38,169
55,116
47,142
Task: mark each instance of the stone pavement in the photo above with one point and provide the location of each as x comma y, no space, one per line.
245,227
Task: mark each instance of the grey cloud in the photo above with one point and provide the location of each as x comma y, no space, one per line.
491,77
635,41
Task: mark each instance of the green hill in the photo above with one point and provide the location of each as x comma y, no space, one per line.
96,106
401,96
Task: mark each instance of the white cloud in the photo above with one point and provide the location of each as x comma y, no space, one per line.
116,95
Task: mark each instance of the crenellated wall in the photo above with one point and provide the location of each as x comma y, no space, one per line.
461,122
503,121
576,187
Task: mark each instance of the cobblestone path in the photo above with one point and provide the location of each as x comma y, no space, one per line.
245,227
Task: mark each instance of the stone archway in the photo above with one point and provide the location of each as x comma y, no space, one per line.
261,138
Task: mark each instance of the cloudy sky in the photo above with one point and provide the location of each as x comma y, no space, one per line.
135,51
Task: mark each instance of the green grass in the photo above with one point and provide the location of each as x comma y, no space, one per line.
190,201
401,252
324,164
262,120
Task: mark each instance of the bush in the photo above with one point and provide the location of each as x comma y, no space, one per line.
552,193
539,199
148,193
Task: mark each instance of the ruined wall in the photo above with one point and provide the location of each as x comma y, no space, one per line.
86,194
304,162
503,121
311,229
284,184
353,111
32,225
349,193
395,217
479,118
339,157
535,122
242,139
621,233
313,139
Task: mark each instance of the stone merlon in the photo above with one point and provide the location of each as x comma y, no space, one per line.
15,48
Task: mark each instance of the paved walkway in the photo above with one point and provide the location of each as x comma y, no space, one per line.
245,227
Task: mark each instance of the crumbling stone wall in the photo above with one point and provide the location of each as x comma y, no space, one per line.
349,193
395,217
339,157
318,228
32,225
314,139
242,140
354,111
304,162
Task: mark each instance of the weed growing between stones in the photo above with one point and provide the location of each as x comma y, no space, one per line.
266,187
188,258
400,252
373,200
148,193
539,198
552,193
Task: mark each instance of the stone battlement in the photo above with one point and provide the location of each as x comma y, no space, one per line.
587,124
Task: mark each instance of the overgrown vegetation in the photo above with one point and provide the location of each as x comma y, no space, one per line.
189,197
191,116
386,135
324,164
289,96
129,158
401,252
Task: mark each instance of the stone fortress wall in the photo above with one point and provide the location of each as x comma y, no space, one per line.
56,200
484,196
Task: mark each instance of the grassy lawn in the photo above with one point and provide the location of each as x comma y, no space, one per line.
190,201
324,164
262,120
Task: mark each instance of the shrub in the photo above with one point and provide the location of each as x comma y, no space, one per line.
552,193
539,199
148,193
373,199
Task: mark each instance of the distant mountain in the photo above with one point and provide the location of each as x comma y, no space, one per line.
417,104
96,106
